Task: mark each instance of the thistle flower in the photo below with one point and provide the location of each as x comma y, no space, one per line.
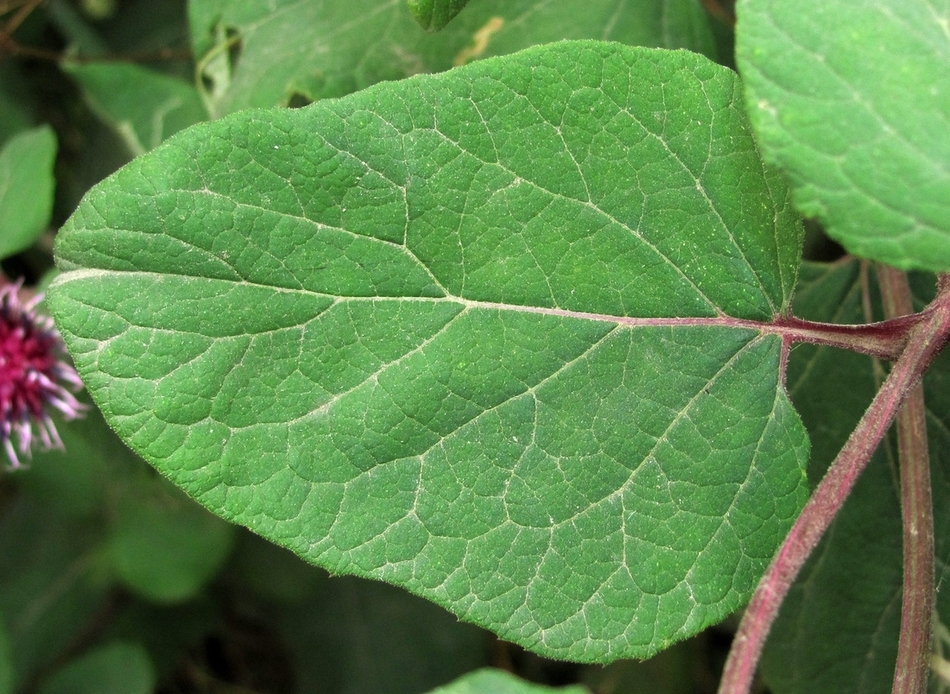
33,376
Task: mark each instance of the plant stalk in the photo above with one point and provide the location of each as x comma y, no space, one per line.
927,338
912,671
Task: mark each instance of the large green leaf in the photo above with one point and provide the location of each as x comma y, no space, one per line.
252,53
852,98
488,335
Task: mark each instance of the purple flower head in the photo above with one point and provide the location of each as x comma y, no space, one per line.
33,376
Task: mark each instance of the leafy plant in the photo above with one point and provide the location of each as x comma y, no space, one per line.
533,337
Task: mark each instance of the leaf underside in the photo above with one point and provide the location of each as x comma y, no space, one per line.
852,100
420,334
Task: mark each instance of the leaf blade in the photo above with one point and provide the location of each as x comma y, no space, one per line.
392,395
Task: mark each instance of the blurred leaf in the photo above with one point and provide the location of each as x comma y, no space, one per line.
74,480
852,99
680,669
18,102
167,632
489,681
52,582
273,572
78,31
6,660
146,26
117,668
402,349
353,636
163,545
255,56
433,15
144,107
26,188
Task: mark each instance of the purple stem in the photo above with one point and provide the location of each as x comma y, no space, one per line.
926,339
911,674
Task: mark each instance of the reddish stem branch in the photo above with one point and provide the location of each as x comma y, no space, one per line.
885,340
926,339
912,671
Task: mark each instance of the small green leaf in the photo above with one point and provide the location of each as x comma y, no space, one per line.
852,99
117,668
432,15
490,681
26,188
486,335
143,106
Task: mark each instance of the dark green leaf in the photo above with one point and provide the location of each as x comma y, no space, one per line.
853,100
18,101
52,582
6,660
144,107
118,668
26,188
433,15
351,636
423,334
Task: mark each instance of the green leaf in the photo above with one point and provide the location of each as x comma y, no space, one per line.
26,188
424,334
490,681
250,55
433,15
163,546
143,106
117,668
852,99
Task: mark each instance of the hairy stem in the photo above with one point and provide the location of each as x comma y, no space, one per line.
926,339
911,674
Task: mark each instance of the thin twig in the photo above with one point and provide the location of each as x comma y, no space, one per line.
927,339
